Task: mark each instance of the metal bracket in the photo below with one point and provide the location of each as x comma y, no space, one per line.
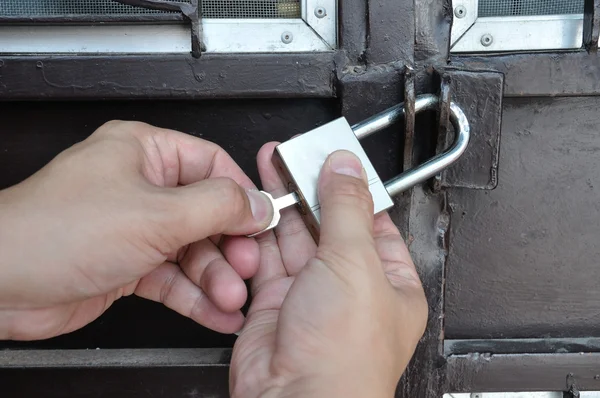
479,94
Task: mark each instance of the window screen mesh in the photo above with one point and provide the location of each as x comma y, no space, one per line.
19,8
251,9
504,8
210,8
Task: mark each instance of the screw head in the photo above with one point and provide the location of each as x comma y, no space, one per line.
487,40
287,37
320,12
460,12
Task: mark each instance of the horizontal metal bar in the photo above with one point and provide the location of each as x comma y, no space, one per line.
181,77
522,346
89,382
115,358
531,372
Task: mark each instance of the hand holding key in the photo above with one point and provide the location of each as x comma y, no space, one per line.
133,209
338,319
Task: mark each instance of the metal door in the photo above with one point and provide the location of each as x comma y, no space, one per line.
505,241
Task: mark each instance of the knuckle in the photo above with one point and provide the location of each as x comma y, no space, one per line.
110,126
197,309
167,288
120,127
215,148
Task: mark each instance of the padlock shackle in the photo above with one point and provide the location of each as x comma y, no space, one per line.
432,167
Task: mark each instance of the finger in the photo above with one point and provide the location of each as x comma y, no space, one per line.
346,214
200,159
242,253
271,266
168,285
179,158
173,158
295,241
393,252
205,265
211,207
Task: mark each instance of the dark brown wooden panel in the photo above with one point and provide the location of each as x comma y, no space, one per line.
523,259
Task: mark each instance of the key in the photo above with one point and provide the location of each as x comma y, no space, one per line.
279,204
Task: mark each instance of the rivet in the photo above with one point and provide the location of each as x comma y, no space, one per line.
460,12
287,37
487,40
320,12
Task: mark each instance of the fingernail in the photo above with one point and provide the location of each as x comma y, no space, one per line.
346,163
260,205
239,332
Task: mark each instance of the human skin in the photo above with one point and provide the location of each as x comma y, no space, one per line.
337,319
135,209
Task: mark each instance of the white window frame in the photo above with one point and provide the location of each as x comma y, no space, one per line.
519,33
316,30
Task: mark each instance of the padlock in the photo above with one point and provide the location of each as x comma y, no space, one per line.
299,160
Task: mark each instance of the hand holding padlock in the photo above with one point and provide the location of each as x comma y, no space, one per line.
299,161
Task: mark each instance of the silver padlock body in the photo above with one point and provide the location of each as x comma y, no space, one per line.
299,162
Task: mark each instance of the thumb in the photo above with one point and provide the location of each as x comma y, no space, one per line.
215,206
346,213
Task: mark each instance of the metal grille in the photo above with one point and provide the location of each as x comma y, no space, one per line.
41,8
505,8
210,8
251,9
